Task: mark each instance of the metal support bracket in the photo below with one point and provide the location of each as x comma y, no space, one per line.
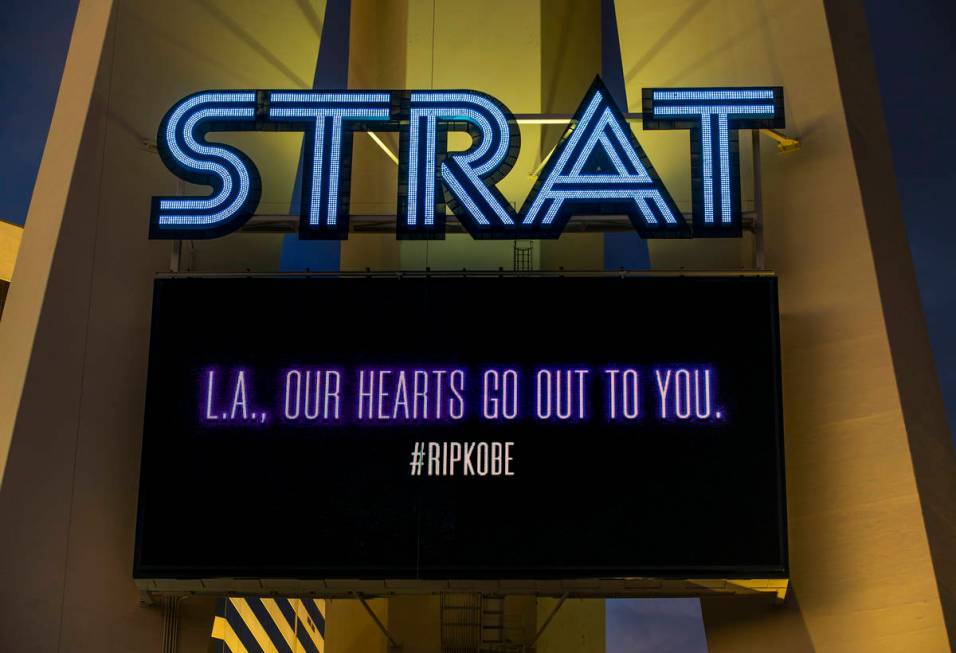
146,599
393,643
784,142
534,640
176,256
171,605
759,259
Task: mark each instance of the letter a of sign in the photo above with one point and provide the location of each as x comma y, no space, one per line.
600,168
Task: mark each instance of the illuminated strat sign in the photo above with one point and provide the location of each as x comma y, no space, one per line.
598,167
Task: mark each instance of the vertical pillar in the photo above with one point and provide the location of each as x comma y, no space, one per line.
870,470
67,500
331,72
921,401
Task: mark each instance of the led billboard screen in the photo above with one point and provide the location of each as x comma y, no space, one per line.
463,427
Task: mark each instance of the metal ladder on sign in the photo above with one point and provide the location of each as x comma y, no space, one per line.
492,623
473,623
523,256
461,623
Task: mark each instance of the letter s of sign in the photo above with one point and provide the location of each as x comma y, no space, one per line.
598,167
233,177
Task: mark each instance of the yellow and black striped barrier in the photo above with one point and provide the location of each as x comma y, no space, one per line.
269,625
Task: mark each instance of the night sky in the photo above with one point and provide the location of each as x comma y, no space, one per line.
34,37
915,52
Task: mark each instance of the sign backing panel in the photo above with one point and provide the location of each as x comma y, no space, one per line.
549,428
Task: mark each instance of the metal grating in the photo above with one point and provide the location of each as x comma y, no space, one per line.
461,623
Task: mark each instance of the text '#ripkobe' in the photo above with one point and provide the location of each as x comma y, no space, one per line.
329,396
462,459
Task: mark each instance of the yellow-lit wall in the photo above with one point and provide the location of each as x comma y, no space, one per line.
862,575
699,43
376,61
577,627
494,47
350,629
10,235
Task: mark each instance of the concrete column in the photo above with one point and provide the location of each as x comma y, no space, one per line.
71,403
870,469
73,338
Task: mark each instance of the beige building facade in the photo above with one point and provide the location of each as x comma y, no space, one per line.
870,468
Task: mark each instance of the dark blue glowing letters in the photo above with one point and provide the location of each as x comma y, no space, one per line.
328,120
713,117
468,177
600,168
233,177
597,168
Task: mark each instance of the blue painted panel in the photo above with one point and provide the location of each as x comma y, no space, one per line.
621,250
309,255
331,72
625,251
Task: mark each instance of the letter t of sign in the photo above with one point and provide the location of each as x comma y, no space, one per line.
714,116
329,120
